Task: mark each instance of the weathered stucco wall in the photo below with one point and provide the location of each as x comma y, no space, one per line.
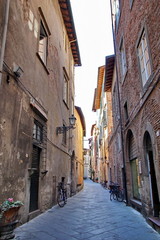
36,95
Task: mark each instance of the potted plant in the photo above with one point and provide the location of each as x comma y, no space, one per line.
97,179
8,217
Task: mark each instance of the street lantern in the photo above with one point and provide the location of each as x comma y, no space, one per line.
72,121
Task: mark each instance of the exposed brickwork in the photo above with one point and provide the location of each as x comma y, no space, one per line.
143,102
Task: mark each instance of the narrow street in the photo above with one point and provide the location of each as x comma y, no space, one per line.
90,215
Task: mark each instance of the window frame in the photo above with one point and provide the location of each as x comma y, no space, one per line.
43,43
43,24
123,60
145,82
126,114
131,3
65,87
116,14
38,131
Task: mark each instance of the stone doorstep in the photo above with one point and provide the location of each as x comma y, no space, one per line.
155,220
34,214
137,205
136,202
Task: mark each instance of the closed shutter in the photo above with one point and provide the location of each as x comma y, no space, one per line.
132,148
34,187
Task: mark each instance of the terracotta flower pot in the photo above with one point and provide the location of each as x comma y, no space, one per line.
8,223
10,215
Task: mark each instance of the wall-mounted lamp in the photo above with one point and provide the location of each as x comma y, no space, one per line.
18,72
72,121
44,173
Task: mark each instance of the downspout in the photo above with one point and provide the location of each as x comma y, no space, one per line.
4,37
120,114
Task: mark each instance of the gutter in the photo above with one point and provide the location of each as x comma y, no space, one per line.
4,37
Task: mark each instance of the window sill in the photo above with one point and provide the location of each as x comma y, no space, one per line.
148,87
46,69
147,84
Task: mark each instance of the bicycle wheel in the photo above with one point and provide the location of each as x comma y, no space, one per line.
115,196
65,196
120,196
112,196
60,199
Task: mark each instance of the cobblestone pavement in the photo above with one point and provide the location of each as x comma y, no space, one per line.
89,215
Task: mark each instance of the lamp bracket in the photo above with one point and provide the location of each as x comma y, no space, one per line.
60,130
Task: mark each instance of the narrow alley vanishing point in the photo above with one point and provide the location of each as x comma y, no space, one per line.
89,215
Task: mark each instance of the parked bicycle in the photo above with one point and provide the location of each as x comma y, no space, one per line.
116,192
62,194
104,184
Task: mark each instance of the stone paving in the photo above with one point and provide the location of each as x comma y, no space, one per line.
89,215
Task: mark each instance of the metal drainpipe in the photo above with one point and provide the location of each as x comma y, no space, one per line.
120,114
4,36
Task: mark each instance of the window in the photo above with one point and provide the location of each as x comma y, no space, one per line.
117,8
144,59
43,39
38,131
65,88
115,5
126,111
123,60
131,3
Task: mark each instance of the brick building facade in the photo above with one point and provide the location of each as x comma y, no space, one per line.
115,163
136,38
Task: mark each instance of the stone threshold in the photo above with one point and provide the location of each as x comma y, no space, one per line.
155,220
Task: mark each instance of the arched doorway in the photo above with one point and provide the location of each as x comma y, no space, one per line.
148,149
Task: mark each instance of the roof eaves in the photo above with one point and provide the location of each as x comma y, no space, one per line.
66,11
109,68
